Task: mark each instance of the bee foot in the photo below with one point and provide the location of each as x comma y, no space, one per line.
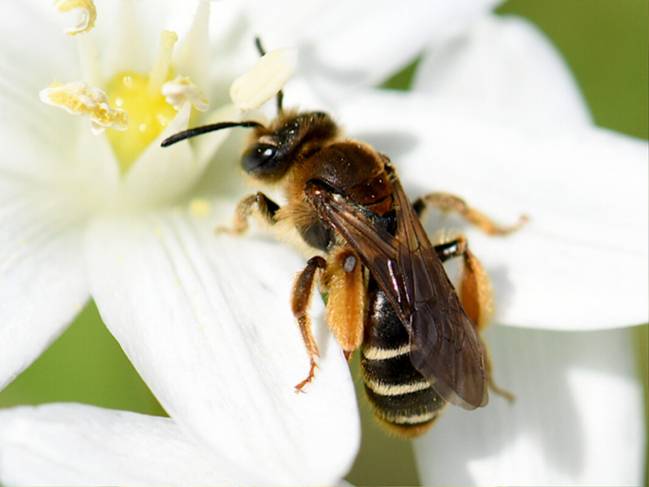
300,387
504,393
225,230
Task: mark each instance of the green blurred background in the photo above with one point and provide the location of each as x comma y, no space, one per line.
605,43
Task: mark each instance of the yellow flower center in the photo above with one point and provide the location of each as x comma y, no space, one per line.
134,107
148,115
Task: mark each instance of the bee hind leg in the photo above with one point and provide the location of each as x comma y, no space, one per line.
447,202
493,387
266,208
475,287
475,295
302,291
346,296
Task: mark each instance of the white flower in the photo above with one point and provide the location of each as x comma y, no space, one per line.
206,320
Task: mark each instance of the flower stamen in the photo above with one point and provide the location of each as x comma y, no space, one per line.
160,71
264,80
78,98
181,90
88,14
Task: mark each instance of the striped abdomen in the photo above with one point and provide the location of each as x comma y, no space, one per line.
400,396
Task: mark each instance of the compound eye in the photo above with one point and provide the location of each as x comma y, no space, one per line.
267,152
258,156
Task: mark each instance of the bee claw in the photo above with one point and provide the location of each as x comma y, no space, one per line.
300,387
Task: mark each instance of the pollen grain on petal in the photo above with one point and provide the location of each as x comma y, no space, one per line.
80,99
264,80
200,207
181,90
88,14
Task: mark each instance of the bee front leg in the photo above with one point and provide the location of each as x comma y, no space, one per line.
302,290
447,202
266,208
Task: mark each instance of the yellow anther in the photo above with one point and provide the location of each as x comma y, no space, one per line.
80,99
181,90
88,14
160,72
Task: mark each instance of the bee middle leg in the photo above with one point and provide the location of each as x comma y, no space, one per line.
342,278
302,290
266,208
476,297
447,202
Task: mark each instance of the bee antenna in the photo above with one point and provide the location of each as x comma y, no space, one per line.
259,46
203,129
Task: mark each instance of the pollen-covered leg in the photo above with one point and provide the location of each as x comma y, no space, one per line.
447,202
346,299
475,291
266,208
475,295
302,290
475,288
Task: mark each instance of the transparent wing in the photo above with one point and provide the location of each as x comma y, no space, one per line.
445,347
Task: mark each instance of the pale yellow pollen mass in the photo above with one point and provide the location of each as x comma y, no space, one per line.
181,90
80,99
88,14
200,207
264,80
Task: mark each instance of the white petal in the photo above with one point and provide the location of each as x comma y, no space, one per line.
581,262
206,146
206,321
577,418
41,142
42,281
504,68
193,56
43,45
125,44
346,44
161,174
74,444
128,31
34,137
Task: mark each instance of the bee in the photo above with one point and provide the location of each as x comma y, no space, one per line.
386,289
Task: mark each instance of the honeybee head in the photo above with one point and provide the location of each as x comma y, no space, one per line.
274,148
287,140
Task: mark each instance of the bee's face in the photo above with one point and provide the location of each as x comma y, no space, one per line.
276,147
